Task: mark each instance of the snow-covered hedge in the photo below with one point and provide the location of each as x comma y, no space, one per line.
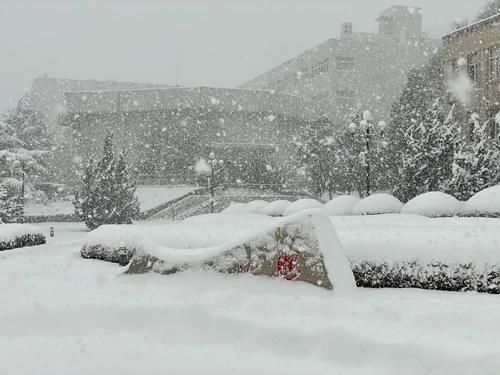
433,204
484,203
459,277
302,205
340,206
13,236
275,208
375,204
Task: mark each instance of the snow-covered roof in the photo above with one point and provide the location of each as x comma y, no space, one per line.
206,98
472,26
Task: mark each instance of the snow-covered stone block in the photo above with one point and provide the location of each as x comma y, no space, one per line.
301,248
433,204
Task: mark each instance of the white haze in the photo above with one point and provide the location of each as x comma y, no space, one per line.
220,43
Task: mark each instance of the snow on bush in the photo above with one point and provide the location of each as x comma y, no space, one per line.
301,205
340,206
484,203
433,204
375,204
275,208
235,208
256,206
13,236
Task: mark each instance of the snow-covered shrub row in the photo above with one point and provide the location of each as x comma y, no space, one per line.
341,206
302,205
121,255
433,204
276,208
13,236
458,277
484,203
376,204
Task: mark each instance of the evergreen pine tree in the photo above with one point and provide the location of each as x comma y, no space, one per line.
476,163
427,160
106,194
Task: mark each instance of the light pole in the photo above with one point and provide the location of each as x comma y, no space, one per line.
214,165
367,130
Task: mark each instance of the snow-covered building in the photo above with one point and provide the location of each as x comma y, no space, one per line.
166,130
472,58
357,71
46,94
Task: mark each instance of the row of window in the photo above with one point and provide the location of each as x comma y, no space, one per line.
473,65
343,63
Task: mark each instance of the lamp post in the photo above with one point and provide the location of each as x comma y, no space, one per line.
366,129
214,165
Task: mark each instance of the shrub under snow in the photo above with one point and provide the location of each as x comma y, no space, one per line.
256,206
375,204
433,204
341,206
484,203
275,208
13,236
301,205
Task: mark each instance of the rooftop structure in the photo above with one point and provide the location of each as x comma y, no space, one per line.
357,71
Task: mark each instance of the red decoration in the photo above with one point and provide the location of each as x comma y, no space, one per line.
286,266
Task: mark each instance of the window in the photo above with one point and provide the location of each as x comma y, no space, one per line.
494,63
345,63
320,67
474,67
493,123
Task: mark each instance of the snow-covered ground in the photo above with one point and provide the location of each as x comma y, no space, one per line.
60,314
150,196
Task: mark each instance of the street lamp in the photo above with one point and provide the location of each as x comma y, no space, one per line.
366,129
214,165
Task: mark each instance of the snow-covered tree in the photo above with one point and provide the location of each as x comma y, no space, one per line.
427,161
423,87
316,155
476,163
490,9
106,194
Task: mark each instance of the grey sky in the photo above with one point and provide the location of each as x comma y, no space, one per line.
219,43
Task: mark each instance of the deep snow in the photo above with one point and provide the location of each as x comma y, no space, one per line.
61,314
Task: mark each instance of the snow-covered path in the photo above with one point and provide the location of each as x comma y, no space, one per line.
60,314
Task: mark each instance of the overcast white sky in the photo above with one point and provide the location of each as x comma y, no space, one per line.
220,43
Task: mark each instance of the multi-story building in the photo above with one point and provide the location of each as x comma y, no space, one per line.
358,71
473,51
166,130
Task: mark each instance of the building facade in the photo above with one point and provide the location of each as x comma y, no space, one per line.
474,52
357,71
166,131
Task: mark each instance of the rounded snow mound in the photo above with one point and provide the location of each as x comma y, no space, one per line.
341,206
301,205
256,206
433,204
235,208
378,204
484,203
275,208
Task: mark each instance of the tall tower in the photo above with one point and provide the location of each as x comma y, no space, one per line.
401,22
